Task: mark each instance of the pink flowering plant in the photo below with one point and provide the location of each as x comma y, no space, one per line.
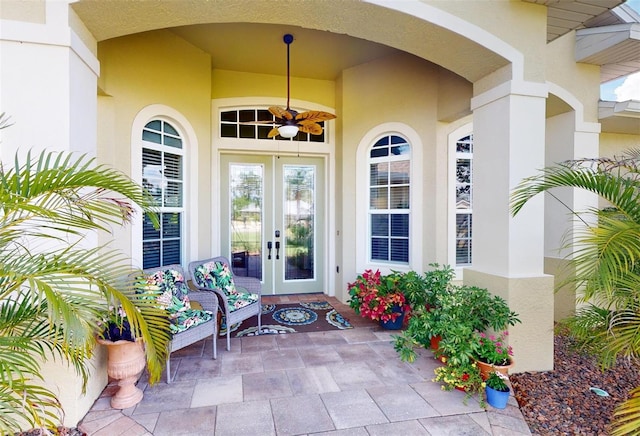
493,349
374,296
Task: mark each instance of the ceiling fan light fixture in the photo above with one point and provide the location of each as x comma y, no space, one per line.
288,131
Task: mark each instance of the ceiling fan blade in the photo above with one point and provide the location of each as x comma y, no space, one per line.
314,116
278,112
311,128
273,132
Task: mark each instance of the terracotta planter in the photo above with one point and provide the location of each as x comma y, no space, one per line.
487,368
435,343
126,362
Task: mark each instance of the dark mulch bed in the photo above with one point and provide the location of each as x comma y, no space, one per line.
559,402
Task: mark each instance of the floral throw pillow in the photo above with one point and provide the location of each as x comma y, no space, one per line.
175,300
217,275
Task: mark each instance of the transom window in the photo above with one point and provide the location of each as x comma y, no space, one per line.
163,177
232,125
389,207
464,199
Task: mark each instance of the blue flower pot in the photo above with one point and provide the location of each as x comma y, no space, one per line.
497,399
397,324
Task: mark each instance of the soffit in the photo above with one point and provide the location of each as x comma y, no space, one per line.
564,16
246,35
620,117
616,48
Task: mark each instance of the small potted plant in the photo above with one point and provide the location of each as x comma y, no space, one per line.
497,390
378,298
493,353
462,377
126,357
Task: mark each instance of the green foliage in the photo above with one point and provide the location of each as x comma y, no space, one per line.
497,381
605,254
415,289
374,296
53,290
458,314
465,377
437,282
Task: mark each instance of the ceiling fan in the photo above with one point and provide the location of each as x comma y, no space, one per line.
289,121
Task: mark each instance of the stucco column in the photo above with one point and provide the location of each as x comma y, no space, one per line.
48,87
48,79
508,252
567,137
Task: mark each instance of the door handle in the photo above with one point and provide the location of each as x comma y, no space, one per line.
277,250
269,248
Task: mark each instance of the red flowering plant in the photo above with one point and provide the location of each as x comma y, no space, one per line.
493,349
374,296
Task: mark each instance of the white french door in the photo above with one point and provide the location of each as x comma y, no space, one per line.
272,220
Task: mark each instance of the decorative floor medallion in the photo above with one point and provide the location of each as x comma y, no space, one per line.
295,316
309,316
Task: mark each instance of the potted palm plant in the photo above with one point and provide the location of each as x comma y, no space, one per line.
55,292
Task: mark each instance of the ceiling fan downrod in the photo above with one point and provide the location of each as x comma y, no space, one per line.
288,39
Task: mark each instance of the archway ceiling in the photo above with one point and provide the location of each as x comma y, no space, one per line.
246,35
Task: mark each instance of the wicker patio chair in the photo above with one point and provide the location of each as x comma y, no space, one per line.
240,297
189,323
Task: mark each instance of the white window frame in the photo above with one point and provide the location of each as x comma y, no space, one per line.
389,211
453,139
164,209
189,221
363,260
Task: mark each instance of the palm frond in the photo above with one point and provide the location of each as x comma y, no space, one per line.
54,292
627,415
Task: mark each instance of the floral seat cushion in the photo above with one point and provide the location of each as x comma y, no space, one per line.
175,300
217,275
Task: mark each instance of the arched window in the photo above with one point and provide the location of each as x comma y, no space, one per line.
389,200
163,177
464,199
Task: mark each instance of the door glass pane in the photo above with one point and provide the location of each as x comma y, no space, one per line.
299,219
246,196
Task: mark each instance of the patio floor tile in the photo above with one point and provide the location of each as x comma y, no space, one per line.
352,409
241,363
265,385
242,419
219,390
281,359
401,403
197,368
312,380
196,421
456,425
404,428
290,421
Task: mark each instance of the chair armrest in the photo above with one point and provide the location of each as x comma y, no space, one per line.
251,284
208,300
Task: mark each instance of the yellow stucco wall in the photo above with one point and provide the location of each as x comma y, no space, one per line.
614,144
581,80
155,68
399,89
229,84
526,29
